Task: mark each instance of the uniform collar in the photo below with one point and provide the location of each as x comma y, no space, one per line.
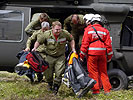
56,37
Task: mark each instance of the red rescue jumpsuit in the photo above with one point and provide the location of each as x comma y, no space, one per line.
96,52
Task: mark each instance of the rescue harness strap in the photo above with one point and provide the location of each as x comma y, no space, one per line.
97,35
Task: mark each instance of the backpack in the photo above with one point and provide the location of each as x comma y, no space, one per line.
36,62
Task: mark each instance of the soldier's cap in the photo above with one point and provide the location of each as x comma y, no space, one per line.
45,24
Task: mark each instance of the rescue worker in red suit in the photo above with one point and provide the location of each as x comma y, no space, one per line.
87,18
95,50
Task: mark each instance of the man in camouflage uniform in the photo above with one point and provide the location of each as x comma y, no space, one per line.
75,25
45,26
41,49
36,24
55,41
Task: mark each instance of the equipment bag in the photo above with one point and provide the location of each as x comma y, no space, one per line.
75,73
36,61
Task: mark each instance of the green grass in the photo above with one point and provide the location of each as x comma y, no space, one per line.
14,87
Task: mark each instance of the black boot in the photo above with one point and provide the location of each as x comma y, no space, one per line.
50,84
39,76
30,76
55,88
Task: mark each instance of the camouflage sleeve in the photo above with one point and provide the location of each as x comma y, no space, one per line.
30,28
50,21
32,39
28,44
67,23
69,37
41,38
81,19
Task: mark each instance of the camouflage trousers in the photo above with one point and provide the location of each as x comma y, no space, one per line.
57,66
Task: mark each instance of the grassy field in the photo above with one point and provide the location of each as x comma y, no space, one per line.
14,87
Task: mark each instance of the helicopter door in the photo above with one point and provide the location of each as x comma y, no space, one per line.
13,21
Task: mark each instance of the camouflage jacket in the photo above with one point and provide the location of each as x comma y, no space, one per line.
68,25
31,40
55,47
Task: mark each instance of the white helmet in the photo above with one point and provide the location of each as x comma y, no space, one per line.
88,17
96,17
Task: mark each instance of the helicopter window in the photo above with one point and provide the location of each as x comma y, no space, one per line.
10,25
127,32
